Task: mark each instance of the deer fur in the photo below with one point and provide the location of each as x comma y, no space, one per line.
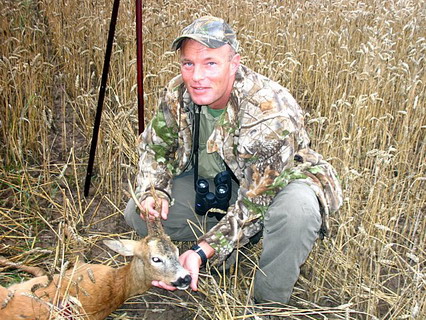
93,291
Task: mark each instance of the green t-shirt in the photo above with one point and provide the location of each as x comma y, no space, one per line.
209,164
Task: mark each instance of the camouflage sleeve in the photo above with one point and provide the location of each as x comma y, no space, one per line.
156,148
322,178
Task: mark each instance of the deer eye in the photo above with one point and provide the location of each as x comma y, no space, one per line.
156,260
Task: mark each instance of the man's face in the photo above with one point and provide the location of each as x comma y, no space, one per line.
208,73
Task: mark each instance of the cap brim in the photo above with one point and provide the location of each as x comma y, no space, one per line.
208,42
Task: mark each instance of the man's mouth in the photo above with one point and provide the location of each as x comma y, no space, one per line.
199,88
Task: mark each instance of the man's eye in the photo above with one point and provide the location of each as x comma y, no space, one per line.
187,64
211,63
156,260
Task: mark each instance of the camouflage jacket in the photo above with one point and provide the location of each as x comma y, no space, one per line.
261,137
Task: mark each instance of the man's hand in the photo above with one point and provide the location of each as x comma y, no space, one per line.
149,205
191,261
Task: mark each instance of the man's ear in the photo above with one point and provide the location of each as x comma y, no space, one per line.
235,63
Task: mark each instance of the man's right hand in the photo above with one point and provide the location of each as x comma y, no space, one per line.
149,205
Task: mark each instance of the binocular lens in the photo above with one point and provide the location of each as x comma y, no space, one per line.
222,191
202,186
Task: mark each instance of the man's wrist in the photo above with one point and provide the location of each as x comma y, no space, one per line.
200,253
204,250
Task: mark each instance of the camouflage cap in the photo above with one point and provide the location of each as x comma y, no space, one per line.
210,31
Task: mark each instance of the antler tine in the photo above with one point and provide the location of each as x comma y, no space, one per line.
155,227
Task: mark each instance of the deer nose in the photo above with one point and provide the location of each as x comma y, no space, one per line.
182,283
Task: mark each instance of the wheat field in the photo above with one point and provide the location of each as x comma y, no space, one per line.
356,68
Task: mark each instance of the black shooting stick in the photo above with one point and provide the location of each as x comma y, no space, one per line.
101,96
139,65
139,53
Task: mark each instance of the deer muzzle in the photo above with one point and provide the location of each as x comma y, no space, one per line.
182,283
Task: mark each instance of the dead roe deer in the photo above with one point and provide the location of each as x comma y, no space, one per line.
93,291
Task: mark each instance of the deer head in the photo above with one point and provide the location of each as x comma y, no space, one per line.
155,254
155,257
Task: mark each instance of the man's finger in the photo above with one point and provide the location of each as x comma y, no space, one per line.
164,209
194,281
161,284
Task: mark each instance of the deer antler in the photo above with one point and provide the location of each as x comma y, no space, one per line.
155,227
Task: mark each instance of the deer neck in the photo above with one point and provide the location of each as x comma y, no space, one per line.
133,279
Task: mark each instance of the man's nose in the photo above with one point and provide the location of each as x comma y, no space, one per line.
198,73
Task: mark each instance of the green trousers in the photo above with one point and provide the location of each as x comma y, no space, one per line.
291,227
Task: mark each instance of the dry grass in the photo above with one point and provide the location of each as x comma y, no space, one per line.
357,68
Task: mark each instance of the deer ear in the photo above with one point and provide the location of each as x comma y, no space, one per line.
123,247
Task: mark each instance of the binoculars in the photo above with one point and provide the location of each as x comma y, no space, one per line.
206,200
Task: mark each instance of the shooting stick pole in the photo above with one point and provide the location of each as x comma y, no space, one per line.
139,64
101,96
